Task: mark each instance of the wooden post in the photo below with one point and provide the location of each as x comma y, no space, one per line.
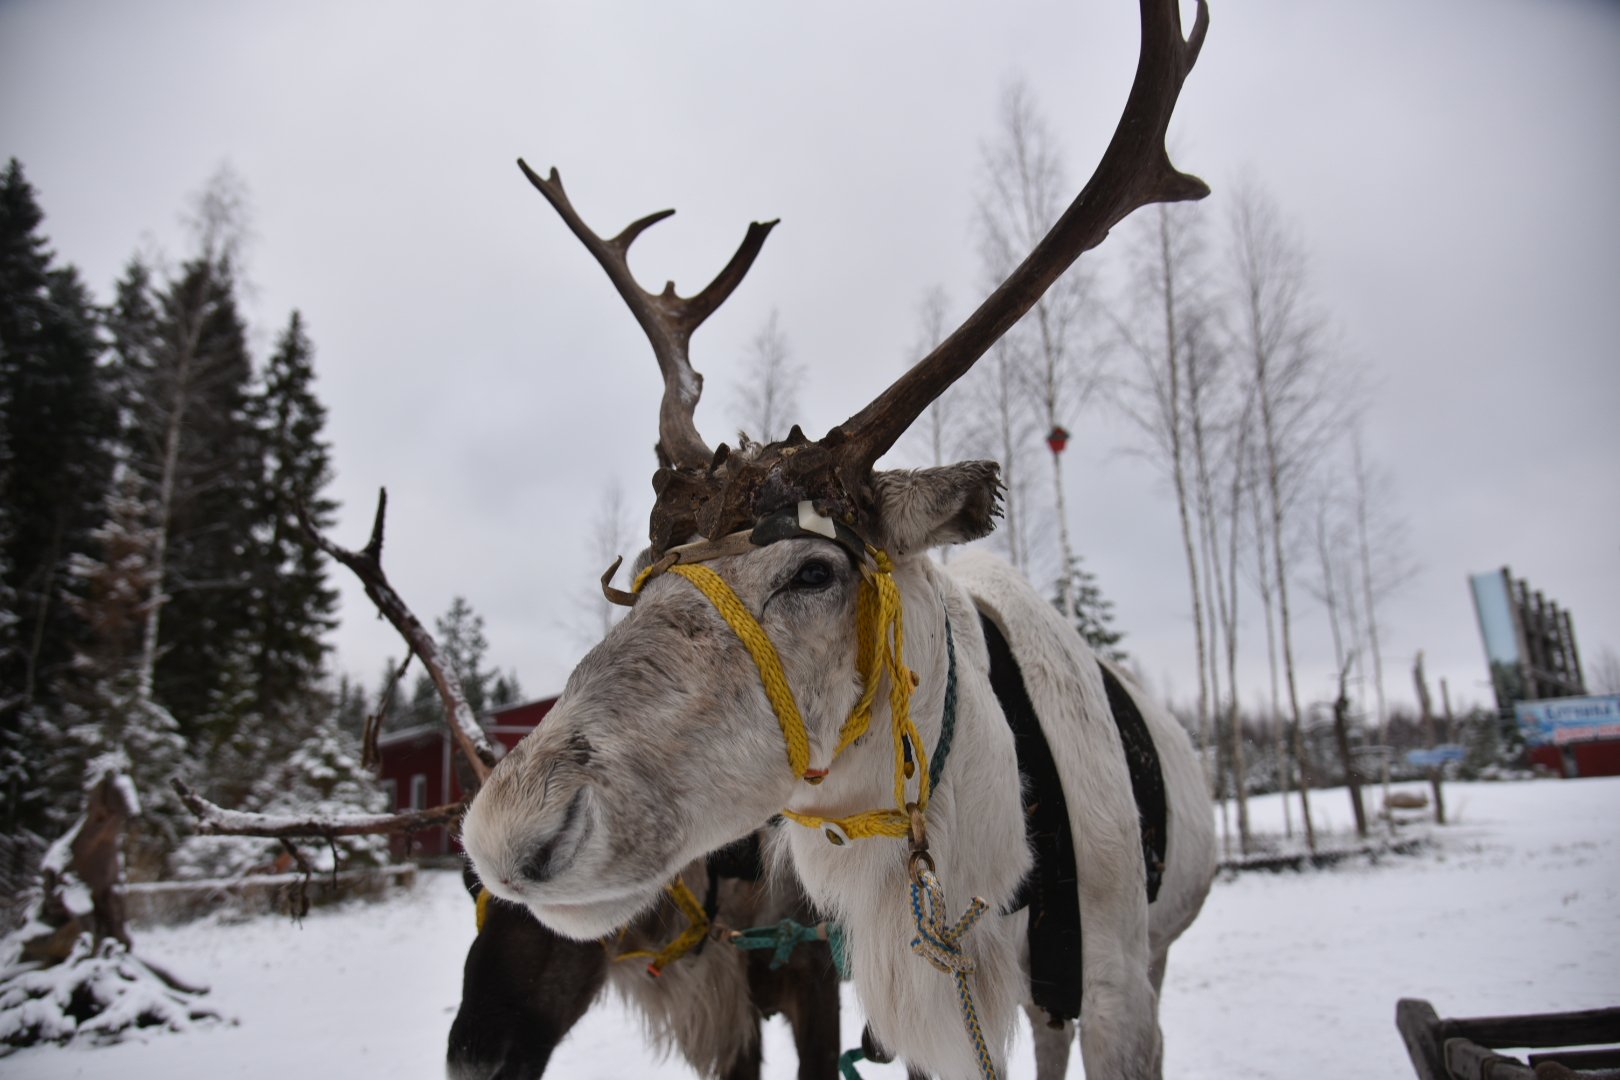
93,856
1427,707
1419,1026
1341,734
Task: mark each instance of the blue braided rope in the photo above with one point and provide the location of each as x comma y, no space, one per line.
948,943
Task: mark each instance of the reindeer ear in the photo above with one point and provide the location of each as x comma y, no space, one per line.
923,508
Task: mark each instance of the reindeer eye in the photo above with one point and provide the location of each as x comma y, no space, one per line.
814,574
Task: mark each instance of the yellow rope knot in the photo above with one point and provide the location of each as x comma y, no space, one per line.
697,928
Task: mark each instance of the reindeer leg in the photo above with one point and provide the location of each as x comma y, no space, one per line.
1052,1044
811,1007
747,1065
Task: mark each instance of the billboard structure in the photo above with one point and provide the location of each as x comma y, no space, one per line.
1529,641
1561,721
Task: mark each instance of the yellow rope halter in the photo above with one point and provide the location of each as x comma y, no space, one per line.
759,646
696,930
880,639
880,651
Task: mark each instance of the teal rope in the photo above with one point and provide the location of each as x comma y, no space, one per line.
846,1063
788,935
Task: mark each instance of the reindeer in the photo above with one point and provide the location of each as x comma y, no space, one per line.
525,986
787,599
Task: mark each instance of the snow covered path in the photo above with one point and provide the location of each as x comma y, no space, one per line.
1517,909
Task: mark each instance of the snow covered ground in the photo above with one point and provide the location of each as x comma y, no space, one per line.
1516,908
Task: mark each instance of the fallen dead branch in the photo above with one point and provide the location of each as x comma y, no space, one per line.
215,820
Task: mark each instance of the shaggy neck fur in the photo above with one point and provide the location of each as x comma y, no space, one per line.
975,834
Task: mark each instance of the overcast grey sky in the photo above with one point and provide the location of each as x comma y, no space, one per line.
1450,167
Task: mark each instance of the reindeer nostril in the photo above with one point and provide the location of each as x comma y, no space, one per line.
537,867
554,853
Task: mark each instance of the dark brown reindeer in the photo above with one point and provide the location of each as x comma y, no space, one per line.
787,601
526,986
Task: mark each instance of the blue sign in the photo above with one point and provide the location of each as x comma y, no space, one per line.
1558,721
1439,755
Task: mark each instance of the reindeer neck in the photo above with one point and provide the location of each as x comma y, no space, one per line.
975,832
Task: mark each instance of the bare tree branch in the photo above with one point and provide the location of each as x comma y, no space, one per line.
370,756
215,820
367,566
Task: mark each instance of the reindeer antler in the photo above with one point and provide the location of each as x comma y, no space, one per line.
667,319
712,495
1135,171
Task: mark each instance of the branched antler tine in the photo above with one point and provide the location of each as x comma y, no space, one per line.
716,292
628,234
668,320
1135,171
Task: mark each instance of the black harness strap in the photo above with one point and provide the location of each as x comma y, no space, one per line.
1051,891
1147,779
739,861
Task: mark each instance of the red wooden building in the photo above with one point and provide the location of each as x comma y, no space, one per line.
418,767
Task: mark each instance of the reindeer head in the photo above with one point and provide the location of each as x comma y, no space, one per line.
666,742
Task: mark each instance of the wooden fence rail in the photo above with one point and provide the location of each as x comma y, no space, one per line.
1470,1048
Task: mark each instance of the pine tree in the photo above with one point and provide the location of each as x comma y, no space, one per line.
1093,613
57,415
507,691
109,711
321,777
55,461
193,442
390,700
324,777
461,637
350,705
293,602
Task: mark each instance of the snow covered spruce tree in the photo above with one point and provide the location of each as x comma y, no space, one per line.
193,442
109,713
322,778
461,640
1093,612
289,602
54,468
232,640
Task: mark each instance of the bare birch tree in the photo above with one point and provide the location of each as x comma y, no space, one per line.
191,356
1253,472
768,392
611,536
1047,364
1381,551
1295,389
939,420
1220,421
1336,589
1002,431
1163,292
